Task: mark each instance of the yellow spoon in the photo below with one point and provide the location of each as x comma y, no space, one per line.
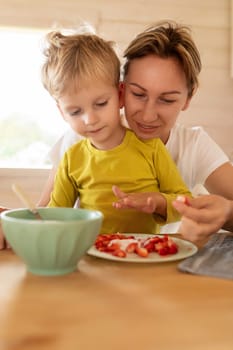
25,200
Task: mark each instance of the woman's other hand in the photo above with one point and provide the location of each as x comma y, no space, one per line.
202,216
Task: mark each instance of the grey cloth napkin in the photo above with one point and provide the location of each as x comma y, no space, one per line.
214,259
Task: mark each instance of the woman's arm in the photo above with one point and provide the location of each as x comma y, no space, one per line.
220,181
48,188
69,138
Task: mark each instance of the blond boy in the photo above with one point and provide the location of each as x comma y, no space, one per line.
82,72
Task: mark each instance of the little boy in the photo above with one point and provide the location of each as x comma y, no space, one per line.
82,73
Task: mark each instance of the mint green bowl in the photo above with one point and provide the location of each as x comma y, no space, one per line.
54,245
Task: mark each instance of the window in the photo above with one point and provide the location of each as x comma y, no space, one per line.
29,120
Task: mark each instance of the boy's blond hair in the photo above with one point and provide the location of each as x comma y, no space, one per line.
168,39
71,59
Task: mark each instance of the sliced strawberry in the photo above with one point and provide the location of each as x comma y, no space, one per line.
163,251
150,246
163,245
173,249
158,246
131,247
112,247
119,253
156,239
141,251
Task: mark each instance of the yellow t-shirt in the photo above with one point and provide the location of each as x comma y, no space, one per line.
134,166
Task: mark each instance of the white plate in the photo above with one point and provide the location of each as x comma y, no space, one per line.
185,249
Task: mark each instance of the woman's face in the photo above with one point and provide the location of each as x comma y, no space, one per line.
154,93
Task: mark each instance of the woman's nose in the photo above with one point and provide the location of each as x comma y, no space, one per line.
149,113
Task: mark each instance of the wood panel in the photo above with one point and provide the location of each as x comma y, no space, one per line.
31,180
121,20
231,37
44,13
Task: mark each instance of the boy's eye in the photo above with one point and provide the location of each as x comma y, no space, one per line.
75,113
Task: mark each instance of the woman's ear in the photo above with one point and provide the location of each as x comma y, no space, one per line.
121,94
187,103
189,98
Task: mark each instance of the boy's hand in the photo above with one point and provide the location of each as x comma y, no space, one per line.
139,201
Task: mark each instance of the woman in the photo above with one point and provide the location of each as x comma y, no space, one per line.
160,79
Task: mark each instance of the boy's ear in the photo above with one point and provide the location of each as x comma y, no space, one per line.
121,94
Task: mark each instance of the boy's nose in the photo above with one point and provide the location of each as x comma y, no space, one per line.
89,118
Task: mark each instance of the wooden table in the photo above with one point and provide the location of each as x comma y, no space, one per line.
111,305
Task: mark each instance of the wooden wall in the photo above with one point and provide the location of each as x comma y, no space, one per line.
32,182
120,20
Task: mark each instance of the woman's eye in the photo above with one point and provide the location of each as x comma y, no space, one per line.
102,103
137,94
165,100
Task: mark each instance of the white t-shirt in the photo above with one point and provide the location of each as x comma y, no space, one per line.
194,152
196,156
61,146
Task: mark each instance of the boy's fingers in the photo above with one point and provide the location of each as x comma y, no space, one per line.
118,193
150,205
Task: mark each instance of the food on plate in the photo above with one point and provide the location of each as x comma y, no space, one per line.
120,245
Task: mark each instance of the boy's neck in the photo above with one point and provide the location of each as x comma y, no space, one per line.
116,139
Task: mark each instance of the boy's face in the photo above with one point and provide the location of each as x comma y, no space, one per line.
93,112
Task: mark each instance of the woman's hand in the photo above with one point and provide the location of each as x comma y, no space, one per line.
202,216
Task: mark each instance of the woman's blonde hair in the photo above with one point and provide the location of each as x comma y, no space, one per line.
74,58
167,39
